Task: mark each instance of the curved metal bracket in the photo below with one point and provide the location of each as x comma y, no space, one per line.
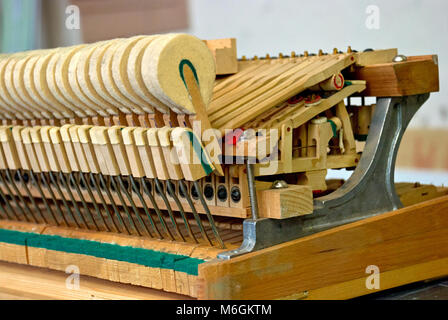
369,191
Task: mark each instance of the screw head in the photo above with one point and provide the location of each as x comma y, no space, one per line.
279,184
399,58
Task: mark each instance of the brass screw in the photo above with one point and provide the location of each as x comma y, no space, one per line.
306,54
349,49
293,54
321,53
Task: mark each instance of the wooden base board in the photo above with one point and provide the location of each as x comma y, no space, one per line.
30,283
39,248
407,245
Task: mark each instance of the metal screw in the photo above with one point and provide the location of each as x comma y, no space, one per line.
279,184
400,58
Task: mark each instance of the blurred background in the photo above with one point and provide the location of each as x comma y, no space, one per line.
415,27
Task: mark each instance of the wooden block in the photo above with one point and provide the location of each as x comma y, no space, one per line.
296,200
375,57
417,75
224,52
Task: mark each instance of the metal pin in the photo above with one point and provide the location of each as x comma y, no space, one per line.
145,207
173,194
168,207
61,195
184,190
112,202
70,178
95,205
209,215
8,190
156,208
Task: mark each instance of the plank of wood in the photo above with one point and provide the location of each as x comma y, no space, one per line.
224,52
26,282
391,241
374,57
418,75
296,200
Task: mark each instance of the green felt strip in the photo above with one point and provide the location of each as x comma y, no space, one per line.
200,152
140,256
181,71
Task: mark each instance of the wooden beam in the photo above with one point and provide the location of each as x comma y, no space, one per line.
417,75
26,282
399,240
224,52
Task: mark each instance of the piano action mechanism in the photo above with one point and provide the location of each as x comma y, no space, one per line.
164,162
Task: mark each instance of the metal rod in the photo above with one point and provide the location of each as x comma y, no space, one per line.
44,199
209,215
39,188
92,198
172,193
8,190
103,201
70,195
252,191
28,210
124,205
70,178
156,208
145,207
184,190
168,207
112,202
61,195
30,196
133,206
